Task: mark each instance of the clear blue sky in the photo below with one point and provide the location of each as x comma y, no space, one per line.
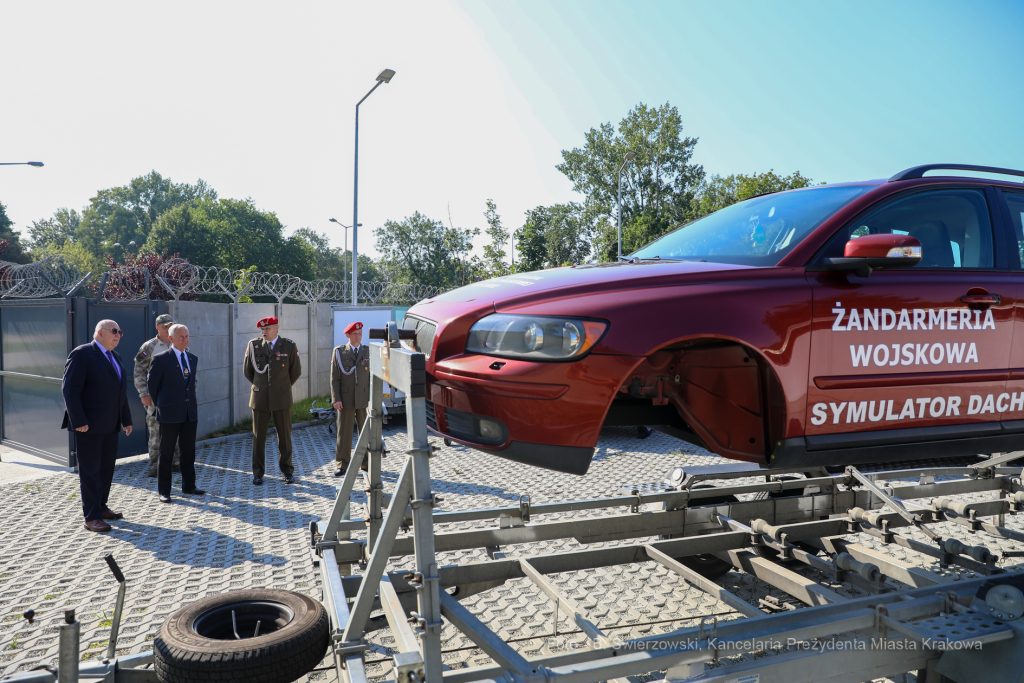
257,97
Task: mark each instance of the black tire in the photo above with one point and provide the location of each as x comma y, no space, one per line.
197,643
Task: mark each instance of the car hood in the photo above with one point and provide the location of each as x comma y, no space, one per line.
585,278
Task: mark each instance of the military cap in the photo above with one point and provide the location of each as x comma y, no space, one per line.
352,327
164,319
266,322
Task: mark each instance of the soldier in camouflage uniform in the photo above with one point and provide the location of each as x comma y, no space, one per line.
272,364
143,359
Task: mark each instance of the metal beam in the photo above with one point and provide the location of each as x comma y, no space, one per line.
800,587
706,585
487,640
567,604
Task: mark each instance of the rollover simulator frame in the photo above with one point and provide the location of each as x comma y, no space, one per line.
934,627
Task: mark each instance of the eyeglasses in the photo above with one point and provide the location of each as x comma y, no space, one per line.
114,330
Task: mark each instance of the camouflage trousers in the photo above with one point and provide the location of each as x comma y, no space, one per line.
154,444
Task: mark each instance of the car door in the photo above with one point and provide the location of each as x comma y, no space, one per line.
918,354
1013,211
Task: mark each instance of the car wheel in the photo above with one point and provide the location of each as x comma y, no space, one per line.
260,636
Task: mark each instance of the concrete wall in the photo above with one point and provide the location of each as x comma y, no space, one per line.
219,338
208,339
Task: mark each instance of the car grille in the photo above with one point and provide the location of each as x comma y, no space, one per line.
425,332
431,418
460,425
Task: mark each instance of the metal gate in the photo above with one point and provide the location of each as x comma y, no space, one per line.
36,336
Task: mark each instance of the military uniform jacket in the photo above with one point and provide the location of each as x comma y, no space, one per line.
350,383
272,372
144,360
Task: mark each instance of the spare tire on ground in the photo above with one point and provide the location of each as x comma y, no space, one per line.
259,636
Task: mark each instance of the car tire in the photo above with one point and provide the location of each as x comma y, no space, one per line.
197,643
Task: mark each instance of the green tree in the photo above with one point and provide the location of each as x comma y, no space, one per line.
494,253
660,184
424,251
719,192
12,250
185,230
127,213
55,231
553,236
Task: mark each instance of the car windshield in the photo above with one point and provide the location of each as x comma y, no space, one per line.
755,232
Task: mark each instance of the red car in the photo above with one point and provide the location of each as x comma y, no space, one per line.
840,324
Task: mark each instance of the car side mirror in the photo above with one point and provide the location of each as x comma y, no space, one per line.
876,252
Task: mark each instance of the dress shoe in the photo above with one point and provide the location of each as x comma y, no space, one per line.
165,499
340,472
97,525
289,479
194,492
257,481
110,514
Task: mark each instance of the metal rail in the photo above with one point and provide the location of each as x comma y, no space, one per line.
813,521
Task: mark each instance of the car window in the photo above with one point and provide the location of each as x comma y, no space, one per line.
1015,200
758,231
953,227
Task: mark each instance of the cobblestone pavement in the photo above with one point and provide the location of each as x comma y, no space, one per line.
240,536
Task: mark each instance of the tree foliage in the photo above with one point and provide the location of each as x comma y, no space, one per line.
128,213
12,250
421,250
719,192
660,180
553,236
56,231
494,253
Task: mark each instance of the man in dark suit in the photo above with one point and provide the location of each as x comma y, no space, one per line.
172,385
96,407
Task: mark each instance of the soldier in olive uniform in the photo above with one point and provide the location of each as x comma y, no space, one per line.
143,359
350,391
272,365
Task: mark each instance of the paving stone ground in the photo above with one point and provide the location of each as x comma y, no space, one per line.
240,536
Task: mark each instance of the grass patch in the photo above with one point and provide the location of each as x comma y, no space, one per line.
300,413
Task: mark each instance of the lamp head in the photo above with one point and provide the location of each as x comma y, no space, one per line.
630,156
39,163
386,75
334,220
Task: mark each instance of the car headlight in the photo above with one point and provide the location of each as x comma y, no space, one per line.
533,337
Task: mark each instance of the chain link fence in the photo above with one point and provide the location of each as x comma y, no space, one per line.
180,280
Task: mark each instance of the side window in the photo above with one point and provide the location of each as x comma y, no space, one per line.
1015,200
953,227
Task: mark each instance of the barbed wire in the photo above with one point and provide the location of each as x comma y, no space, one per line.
176,278
52,275
182,279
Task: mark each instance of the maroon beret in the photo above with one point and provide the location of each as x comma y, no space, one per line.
352,327
269,320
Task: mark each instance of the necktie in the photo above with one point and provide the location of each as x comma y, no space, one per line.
184,366
113,362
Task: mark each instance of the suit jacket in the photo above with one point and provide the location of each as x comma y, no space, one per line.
93,395
272,372
173,396
351,387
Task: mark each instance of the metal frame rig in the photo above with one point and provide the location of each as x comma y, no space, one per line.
963,631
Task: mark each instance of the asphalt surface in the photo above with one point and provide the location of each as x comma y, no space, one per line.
240,536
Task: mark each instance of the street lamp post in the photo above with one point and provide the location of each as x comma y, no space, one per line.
629,157
384,76
344,251
22,163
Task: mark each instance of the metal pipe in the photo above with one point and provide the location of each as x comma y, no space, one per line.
67,656
116,623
